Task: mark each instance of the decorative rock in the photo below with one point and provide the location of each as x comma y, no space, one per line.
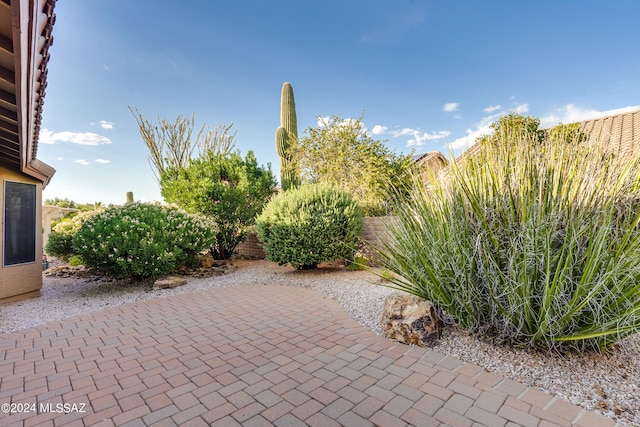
66,271
206,260
169,282
411,320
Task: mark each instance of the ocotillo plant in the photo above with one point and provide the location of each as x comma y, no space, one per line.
286,135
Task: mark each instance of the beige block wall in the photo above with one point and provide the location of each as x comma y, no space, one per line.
251,248
24,280
376,228
373,234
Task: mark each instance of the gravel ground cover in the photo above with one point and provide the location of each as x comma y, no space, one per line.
608,383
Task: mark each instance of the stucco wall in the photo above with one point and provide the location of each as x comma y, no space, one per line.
24,280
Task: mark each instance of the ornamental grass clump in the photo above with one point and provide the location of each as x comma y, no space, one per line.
310,224
533,239
142,240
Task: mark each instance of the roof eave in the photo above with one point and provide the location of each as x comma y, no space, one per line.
32,22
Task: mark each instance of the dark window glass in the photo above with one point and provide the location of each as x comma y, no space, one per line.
19,223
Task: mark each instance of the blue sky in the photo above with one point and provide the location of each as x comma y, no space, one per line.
429,75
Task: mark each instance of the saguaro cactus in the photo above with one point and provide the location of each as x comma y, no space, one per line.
286,136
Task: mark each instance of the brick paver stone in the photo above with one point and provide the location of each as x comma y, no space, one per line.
251,356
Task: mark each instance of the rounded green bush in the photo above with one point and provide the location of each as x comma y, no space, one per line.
309,225
60,243
142,240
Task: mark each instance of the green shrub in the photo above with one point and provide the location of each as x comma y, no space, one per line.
59,244
342,153
226,188
534,240
142,240
60,239
309,225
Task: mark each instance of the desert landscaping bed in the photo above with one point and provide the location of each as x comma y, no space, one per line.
607,383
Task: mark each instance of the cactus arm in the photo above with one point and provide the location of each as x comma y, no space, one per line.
281,142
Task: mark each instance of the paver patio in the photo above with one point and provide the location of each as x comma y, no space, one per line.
251,356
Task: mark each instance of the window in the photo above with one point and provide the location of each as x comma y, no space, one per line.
19,223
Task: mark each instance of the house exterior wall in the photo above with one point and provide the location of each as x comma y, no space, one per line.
23,280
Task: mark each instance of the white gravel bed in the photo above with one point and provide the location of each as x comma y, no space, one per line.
606,383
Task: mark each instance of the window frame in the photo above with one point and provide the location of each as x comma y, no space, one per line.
29,256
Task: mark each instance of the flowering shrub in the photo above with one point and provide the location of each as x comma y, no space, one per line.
142,240
60,240
310,224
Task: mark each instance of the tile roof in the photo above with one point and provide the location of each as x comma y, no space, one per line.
620,133
431,162
431,156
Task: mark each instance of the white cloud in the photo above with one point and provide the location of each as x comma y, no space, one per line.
81,138
469,139
84,162
571,113
417,137
521,109
106,125
379,130
492,108
46,137
450,107
404,131
325,121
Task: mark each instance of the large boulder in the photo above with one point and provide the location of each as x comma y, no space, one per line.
411,320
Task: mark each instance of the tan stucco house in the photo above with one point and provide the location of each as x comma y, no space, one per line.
25,38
